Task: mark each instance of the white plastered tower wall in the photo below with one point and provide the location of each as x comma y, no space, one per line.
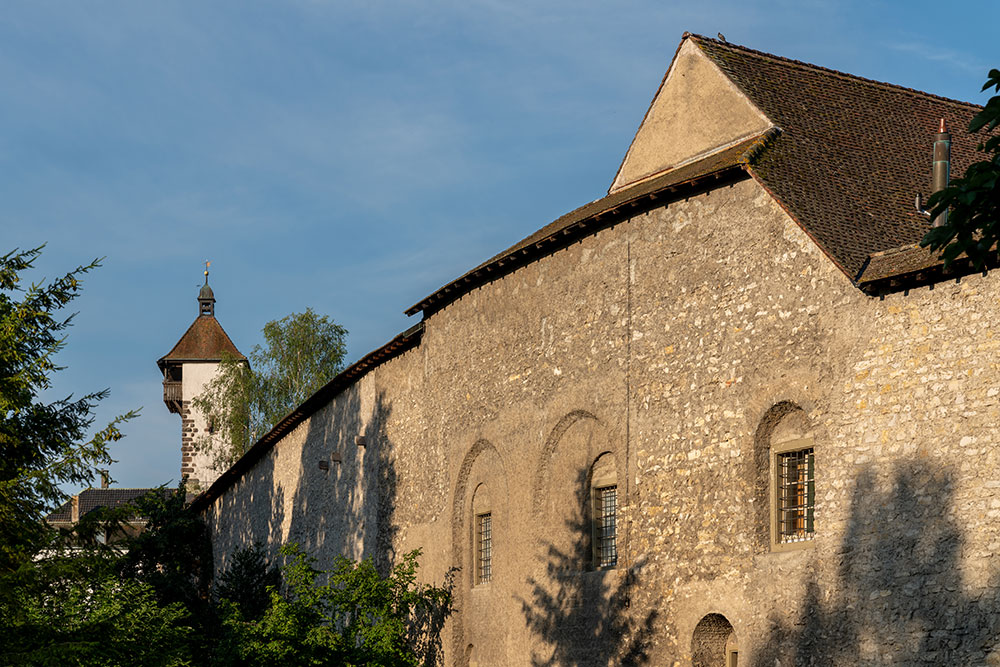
199,445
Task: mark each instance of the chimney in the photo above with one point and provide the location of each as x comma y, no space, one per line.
74,513
942,167
104,479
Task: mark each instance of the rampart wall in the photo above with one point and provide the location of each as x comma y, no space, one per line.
684,344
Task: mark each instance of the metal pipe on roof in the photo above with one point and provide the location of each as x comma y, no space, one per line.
942,168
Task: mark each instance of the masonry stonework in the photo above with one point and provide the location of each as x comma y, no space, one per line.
684,341
671,361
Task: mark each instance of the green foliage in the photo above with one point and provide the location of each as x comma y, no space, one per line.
144,600
973,201
71,597
301,353
138,600
43,445
357,617
173,555
74,610
248,582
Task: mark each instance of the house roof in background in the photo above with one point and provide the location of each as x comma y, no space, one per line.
91,499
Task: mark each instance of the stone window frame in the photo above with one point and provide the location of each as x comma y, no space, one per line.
777,450
600,482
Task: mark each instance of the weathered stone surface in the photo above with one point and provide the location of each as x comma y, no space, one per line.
667,340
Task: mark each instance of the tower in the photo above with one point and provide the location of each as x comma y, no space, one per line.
187,368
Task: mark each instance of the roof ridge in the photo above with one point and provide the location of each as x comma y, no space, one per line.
845,75
121,488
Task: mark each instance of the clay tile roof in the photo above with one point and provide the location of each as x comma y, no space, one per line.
91,499
205,340
847,161
853,153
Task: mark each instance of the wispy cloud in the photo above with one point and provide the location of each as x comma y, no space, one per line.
960,60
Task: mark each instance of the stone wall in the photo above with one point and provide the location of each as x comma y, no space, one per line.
684,343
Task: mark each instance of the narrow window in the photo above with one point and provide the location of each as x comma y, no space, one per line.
484,548
605,512
796,493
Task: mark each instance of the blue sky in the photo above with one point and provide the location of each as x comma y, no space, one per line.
351,156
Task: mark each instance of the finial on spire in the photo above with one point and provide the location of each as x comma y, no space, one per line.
208,264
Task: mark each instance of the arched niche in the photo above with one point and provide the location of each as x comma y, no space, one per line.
602,512
562,490
784,459
714,643
482,478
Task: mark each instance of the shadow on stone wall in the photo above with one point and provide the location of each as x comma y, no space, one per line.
581,616
902,593
244,523
349,508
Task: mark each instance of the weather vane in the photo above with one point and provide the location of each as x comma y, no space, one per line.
207,264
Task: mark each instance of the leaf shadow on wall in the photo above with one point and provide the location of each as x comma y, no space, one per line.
350,508
241,519
581,616
909,588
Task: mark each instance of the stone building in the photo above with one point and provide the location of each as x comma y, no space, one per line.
727,414
190,365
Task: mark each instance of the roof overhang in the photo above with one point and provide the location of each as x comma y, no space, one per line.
711,171
395,347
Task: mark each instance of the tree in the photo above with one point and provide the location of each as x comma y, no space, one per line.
43,445
301,353
173,554
73,609
61,605
972,201
357,617
248,582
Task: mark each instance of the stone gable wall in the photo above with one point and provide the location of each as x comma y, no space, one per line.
667,341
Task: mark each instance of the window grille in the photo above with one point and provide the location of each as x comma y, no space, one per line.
606,508
484,548
796,495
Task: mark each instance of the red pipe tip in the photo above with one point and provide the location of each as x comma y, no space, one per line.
944,128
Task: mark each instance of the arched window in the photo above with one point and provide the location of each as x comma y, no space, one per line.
604,512
788,437
482,536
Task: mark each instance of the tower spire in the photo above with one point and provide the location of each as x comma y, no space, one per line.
206,298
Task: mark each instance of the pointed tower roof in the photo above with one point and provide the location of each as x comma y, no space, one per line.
205,339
